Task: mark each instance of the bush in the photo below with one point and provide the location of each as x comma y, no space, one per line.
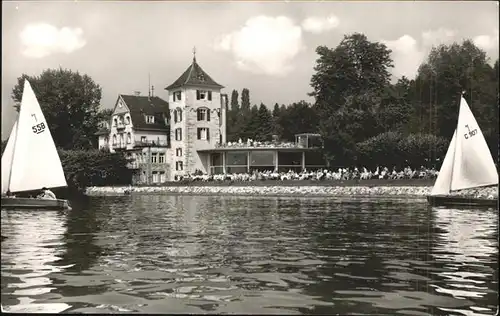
394,149
383,150
85,168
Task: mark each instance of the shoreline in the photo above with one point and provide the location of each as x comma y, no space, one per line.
419,189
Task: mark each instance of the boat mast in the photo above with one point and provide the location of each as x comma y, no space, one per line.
456,140
14,148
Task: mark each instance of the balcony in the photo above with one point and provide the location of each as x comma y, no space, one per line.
151,143
119,146
120,126
133,165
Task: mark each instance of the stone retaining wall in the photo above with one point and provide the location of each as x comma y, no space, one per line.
401,191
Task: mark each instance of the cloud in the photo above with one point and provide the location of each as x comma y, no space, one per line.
42,39
264,45
318,25
408,55
488,43
436,37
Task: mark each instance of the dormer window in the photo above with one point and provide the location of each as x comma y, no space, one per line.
203,114
203,95
150,119
177,95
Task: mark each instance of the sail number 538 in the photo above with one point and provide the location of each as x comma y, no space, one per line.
38,128
470,133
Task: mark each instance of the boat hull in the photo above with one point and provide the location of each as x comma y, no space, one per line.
31,203
457,201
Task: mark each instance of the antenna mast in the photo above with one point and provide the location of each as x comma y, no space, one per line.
149,85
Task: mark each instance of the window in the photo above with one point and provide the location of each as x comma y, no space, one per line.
161,158
178,152
150,119
203,114
177,115
127,119
153,157
162,177
115,120
121,139
203,133
143,139
177,96
129,138
155,176
203,95
178,165
114,139
178,134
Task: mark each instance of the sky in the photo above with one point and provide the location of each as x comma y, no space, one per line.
267,47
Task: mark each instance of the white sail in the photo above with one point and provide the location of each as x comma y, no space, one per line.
473,165
7,156
36,163
442,186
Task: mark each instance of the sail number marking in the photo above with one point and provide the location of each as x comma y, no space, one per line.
470,132
38,128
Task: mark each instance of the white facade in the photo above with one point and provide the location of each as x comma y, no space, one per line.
195,122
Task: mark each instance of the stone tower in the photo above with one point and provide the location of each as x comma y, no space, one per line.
197,119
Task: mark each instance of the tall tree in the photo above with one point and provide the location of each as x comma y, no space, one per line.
245,99
232,121
349,84
250,124
395,108
234,101
105,115
70,102
275,119
356,66
300,117
448,71
265,124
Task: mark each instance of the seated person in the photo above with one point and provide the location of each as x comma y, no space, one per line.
9,194
47,194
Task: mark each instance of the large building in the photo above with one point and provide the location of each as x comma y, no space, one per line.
166,140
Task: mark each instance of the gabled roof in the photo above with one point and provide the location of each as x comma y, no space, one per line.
140,106
194,75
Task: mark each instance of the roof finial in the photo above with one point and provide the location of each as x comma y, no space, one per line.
194,53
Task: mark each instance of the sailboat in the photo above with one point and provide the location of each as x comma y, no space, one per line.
468,164
30,160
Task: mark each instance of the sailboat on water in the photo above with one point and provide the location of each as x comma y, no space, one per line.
468,164
30,160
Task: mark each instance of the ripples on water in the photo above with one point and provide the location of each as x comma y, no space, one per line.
174,254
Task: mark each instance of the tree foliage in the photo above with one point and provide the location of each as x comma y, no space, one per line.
300,117
70,103
350,86
85,168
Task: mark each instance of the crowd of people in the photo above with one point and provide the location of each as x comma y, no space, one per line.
323,174
250,143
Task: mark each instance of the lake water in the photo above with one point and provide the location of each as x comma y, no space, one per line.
202,254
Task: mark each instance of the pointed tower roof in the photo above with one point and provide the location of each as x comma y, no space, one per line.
194,75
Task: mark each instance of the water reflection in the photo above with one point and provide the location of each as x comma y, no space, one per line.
209,254
29,255
466,244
